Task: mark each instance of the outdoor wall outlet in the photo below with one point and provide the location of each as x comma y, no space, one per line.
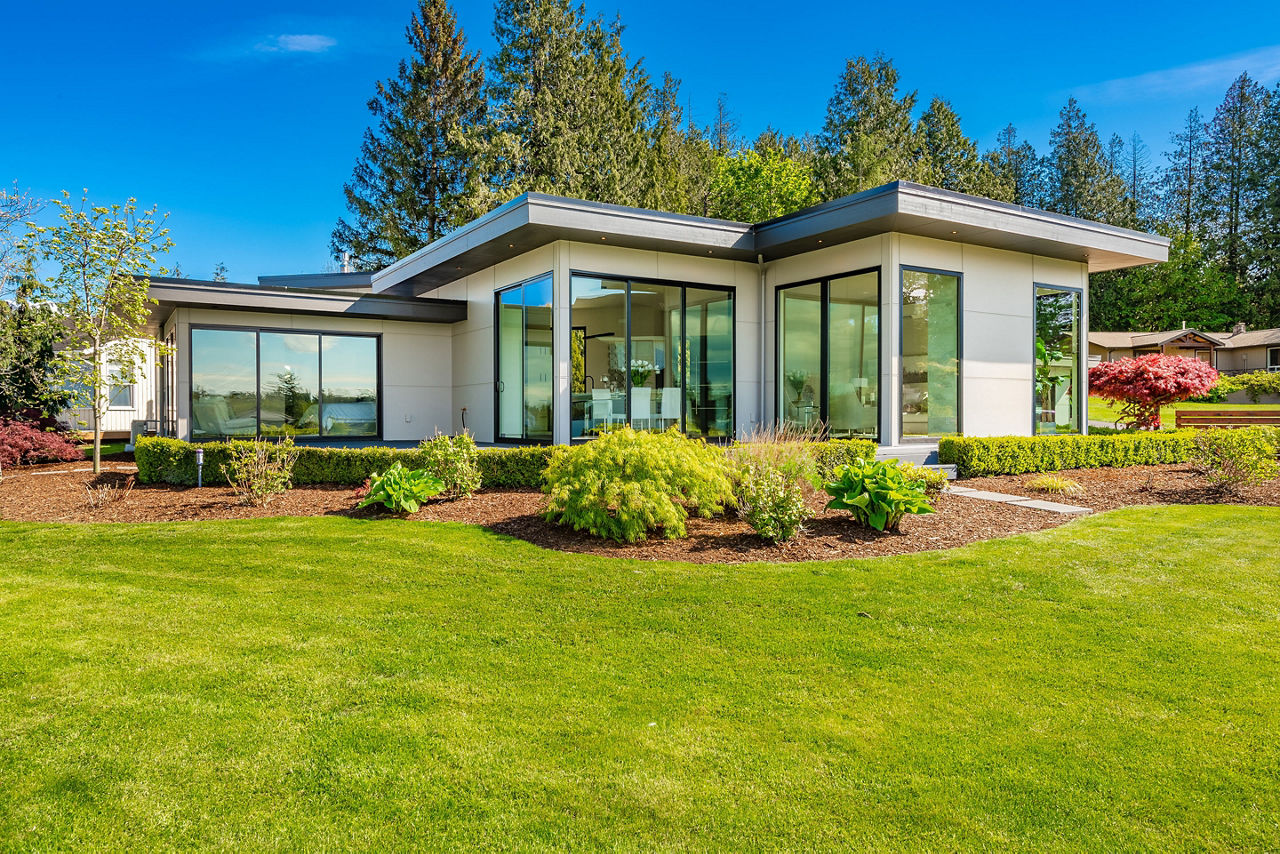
407,417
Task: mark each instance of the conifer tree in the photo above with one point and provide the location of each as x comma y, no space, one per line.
1263,244
1233,141
949,159
1081,181
1182,182
1017,168
409,185
868,137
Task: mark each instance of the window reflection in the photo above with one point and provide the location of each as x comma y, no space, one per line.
930,353
1057,360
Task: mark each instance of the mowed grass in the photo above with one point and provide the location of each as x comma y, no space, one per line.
1105,411
328,683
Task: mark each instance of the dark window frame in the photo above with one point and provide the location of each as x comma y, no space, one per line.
731,290
959,277
257,374
1082,361
824,346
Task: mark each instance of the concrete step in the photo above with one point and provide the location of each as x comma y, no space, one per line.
921,455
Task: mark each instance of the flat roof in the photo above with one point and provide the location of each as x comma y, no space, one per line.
230,296
535,219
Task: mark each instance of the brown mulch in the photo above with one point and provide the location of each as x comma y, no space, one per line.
1109,488
54,493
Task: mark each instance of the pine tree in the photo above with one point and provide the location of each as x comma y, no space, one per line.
1139,181
949,159
1081,181
409,185
569,112
682,159
724,130
1233,140
1017,168
1182,182
868,137
1263,237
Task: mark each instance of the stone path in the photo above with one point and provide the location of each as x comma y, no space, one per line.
1019,500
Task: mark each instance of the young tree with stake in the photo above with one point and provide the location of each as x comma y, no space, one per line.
101,258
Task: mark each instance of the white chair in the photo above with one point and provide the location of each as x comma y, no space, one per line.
641,408
601,407
670,412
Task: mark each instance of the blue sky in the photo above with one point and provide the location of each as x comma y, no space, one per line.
242,120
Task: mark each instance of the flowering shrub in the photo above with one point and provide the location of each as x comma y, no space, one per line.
25,443
1142,385
771,500
453,460
259,469
1232,459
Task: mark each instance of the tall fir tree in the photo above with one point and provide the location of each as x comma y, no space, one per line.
1182,182
411,181
1081,181
724,127
949,159
1263,236
569,111
1233,145
1017,167
1140,184
868,137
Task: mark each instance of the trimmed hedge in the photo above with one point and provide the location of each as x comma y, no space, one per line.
174,461
979,457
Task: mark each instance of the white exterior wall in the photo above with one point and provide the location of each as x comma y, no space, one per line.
119,419
416,364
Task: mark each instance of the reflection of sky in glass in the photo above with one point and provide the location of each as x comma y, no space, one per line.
350,365
223,361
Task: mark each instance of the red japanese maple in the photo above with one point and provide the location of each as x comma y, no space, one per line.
1142,385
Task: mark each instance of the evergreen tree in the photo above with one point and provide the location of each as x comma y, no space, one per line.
1017,169
569,112
868,137
1188,288
1081,181
1263,244
30,332
724,130
682,158
220,272
949,159
1182,182
1233,142
409,185
1140,185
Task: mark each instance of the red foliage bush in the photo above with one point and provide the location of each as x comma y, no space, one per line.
1142,385
25,443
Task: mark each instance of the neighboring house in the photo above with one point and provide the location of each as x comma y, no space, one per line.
126,403
1234,352
900,314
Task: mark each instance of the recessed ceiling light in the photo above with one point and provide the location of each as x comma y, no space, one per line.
602,237
819,239
511,246
955,232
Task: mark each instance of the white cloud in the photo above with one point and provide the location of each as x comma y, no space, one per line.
296,43
1212,75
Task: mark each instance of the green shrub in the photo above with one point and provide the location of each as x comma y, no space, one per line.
979,457
173,461
1233,459
1254,384
934,480
771,500
402,490
453,460
877,493
789,450
1055,484
259,470
625,484
833,453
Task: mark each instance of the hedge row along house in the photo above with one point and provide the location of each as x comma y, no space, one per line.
900,314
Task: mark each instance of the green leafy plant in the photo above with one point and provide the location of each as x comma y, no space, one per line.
771,500
1056,484
453,460
983,456
934,480
627,483
877,493
259,470
402,490
1234,459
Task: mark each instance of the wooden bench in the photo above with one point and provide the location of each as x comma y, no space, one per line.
1226,417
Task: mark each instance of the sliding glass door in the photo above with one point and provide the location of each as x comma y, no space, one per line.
650,354
1057,401
930,379
525,367
829,355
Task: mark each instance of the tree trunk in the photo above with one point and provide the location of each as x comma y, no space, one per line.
97,441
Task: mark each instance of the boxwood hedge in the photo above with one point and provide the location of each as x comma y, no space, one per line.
979,457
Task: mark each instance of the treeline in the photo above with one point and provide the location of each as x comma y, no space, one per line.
562,108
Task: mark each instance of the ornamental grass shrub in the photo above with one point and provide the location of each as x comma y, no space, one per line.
1234,459
626,484
1055,484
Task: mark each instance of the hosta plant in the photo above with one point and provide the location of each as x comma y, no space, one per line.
402,490
877,493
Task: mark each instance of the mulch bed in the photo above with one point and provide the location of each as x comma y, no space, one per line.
55,494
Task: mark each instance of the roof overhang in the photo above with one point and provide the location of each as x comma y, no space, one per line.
185,293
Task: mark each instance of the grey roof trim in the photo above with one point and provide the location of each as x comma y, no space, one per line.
345,281
185,293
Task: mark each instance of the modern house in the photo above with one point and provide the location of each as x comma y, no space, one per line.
902,314
1239,351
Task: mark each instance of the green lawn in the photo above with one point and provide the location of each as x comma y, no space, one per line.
107,448
330,683
1101,410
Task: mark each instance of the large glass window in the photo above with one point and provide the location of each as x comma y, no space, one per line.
246,382
526,369
1057,355
652,355
930,353
829,355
